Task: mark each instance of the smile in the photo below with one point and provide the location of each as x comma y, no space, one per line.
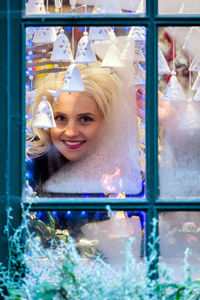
73,144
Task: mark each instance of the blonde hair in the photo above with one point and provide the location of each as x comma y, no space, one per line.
99,84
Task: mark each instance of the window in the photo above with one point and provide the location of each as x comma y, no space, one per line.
159,202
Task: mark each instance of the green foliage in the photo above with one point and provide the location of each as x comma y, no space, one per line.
60,273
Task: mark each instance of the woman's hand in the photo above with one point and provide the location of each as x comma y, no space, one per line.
165,109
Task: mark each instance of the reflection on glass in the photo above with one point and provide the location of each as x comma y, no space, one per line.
85,6
179,231
94,232
85,110
179,7
179,112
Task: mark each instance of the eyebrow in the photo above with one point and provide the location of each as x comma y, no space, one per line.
79,115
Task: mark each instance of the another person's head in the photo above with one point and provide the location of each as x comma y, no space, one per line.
78,116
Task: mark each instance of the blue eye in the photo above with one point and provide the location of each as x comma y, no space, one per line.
60,119
86,119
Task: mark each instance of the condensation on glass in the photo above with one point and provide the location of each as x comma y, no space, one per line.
85,111
180,230
179,112
179,7
37,7
94,232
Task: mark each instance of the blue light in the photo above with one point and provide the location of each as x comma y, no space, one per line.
69,213
54,213
82,28
98,214
68,28
126,28
39,214
83,214
28,116
100,195
28,175
86,195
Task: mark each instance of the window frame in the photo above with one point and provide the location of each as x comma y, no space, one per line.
13,23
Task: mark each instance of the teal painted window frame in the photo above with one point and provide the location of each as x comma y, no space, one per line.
13,23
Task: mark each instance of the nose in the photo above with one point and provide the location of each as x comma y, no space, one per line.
71,129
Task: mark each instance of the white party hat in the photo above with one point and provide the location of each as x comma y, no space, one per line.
196,83
174,90
85,51
190,119
195,64
44,116
128,51
61,50
35,7
197,95
137,34
72,80
99,34
163,67
45,35
112,57
139,75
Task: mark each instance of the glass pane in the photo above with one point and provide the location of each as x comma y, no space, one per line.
179,112
179,7
85,7
85,118
94,232
179,231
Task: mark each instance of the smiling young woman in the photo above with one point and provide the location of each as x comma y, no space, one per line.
93,145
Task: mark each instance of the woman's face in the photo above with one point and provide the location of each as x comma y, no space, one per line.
78,120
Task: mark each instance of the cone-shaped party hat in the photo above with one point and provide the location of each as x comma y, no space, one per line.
61,50
174,90
30,96
196,83
99,34
112,57
195,64
140,9
34,7
72,80
45,35
163,67
44,116
85,51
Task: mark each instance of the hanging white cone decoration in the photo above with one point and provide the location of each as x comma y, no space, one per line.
45,35
99,34
35,7
44,116
112,57
197,95
174,90
30,96
85,53
163,67
139,75
138,35
61,50
195,64
191,43
58,5
73,4
140,9
132,52
72,80
190,119
196,84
